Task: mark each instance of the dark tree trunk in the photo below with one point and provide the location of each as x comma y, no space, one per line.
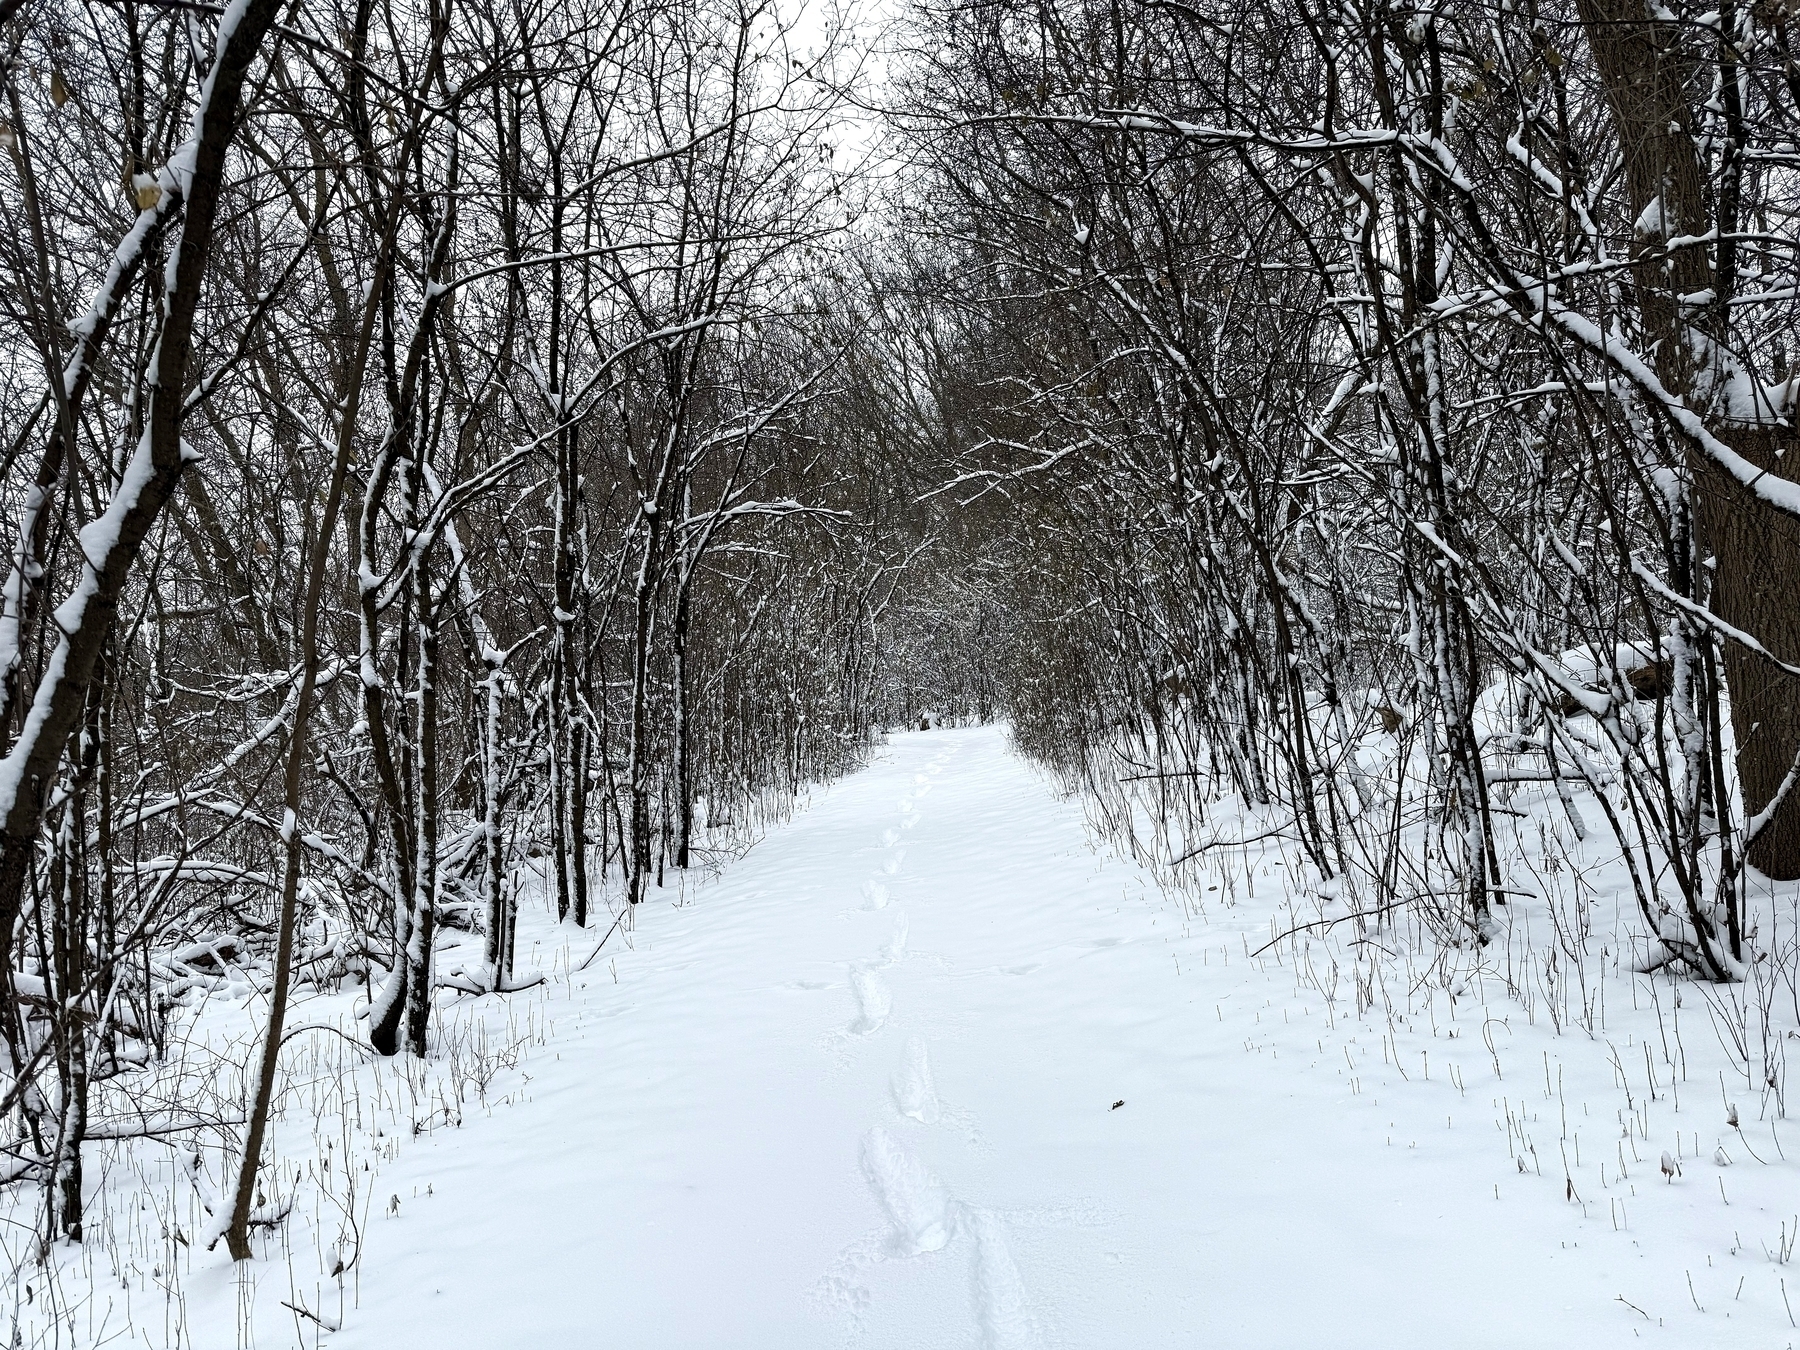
1756,547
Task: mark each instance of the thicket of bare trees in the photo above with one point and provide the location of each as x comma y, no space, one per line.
1388,369
416,463
446,442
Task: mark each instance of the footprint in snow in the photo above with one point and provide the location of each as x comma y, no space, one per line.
892,865
876,894
893,951
889,838
916,1202
925,1218
914,1093
873,1002
1001,1309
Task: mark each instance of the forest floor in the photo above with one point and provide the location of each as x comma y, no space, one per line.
927,1068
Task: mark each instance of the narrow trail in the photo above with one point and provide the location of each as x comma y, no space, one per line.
861,1091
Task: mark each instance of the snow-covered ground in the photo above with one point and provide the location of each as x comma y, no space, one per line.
927,1069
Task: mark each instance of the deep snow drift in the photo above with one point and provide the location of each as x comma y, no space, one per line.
925,1069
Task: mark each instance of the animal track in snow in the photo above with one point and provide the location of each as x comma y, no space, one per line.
889,838
876,894
892,865
873,1002
914,1093
922,1212
838,1290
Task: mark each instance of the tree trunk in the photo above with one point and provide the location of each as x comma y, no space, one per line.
1757,553
638,770
1755,547
684,787
424,926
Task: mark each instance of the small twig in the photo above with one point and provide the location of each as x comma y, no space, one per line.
609,932
1330,923
1227,843
304,1312
320,1026
1746,1143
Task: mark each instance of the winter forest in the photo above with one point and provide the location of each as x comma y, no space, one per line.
506,504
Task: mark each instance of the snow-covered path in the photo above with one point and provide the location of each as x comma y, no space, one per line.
862,1089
